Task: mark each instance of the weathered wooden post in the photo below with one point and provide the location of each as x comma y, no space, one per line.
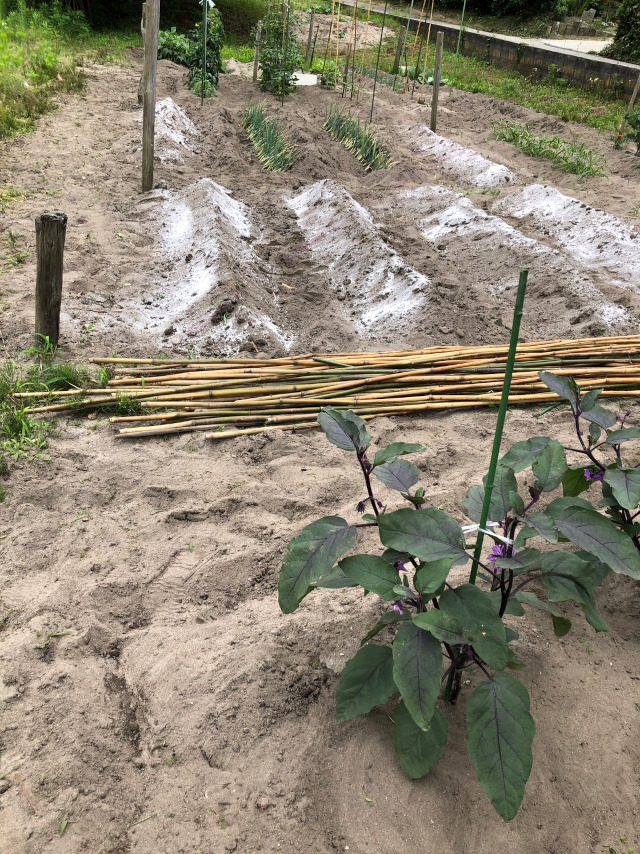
307,57
256,55
152,26
437,72
51,229
399,49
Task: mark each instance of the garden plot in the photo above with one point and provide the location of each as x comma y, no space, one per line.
212,284
590,237
453,159
377,287
488,254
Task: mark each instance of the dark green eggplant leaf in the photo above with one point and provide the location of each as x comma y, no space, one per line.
395,450
597,535
521,455
564,387
366,682
523,561
588,400
500,733
625,485
595,431
599,415
574,482
311,556
427,534
443,626
335,580
400,475
536,525
617,437
418,749
373,573
430,577
477,613
417,666
344,429
550,467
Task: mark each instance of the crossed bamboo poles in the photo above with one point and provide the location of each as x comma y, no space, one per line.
234,397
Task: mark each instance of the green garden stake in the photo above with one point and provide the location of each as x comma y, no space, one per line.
502,412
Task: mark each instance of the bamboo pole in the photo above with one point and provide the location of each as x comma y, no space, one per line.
152,27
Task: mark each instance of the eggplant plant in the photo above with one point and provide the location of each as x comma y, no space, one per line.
547,549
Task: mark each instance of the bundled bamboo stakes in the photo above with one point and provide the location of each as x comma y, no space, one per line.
233,397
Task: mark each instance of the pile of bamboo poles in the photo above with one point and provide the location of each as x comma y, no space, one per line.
233,397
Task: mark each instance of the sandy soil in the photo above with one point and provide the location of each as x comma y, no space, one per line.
180,711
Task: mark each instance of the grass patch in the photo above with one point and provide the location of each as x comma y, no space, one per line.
274,152
240,52
568,156
40,51
358,138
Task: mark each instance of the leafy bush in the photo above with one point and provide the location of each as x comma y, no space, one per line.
446,630
186,49
577,159
634,133
280,55
626,45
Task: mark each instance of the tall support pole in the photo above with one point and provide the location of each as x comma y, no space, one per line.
307,58
375,79
51,229
256,52
629,109
205,27
436,80
149,99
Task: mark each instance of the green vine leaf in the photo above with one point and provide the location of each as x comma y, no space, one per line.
418,749
521,455
417,665
312,555
550,467
500,734
366,682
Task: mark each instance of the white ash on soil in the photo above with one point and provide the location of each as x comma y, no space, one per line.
380,291
205,243
592,238
175,133
454,159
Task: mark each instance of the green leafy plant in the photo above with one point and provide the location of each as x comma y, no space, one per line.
634,133
280,55
274,151
187,49
442,630
358,138
577,159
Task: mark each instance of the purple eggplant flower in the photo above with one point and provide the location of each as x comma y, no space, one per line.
398,607
399,566
589,475
496,551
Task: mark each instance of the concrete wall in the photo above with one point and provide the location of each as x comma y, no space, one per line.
585,71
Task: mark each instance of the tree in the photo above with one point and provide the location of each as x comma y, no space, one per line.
626,45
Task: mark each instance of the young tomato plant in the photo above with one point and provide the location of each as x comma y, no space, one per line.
442,629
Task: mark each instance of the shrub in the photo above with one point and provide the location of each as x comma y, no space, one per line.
186,49
626,45
280,55
240,18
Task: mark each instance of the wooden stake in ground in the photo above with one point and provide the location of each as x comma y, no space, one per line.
375,79
436,80
51,229
399,48
256,55
307,58
149,101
